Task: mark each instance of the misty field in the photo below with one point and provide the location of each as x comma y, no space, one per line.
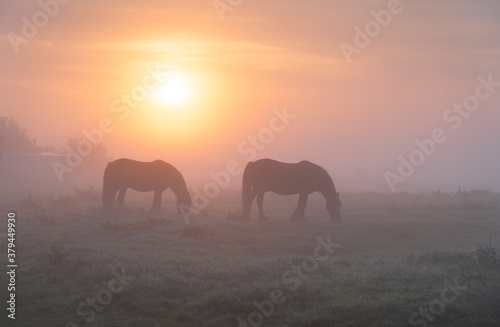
394,260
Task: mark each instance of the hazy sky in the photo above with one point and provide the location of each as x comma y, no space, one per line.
225,76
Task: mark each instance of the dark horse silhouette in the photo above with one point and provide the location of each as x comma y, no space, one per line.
282,178
154,176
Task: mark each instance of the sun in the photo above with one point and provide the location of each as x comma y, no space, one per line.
173,91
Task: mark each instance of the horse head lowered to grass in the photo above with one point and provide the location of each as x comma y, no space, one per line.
156,176
303,178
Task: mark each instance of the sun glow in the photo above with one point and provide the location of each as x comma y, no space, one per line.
176,112
174,91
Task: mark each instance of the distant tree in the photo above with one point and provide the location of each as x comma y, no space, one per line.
92,163
16,137
15,127
439,193
479,193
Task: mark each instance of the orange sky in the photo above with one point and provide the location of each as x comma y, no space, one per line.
264,55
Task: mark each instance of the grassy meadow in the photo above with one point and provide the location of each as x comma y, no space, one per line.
398,260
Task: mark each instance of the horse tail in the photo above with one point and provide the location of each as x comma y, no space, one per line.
107,189
247,189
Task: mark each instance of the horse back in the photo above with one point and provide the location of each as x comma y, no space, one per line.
288,178
140,176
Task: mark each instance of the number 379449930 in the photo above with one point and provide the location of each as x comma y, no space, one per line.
11,237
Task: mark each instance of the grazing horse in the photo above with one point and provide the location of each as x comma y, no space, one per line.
154,176
282,178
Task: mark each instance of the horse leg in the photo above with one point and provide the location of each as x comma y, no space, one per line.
121,197
260,201
247,205
108,203
299,212
156,207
